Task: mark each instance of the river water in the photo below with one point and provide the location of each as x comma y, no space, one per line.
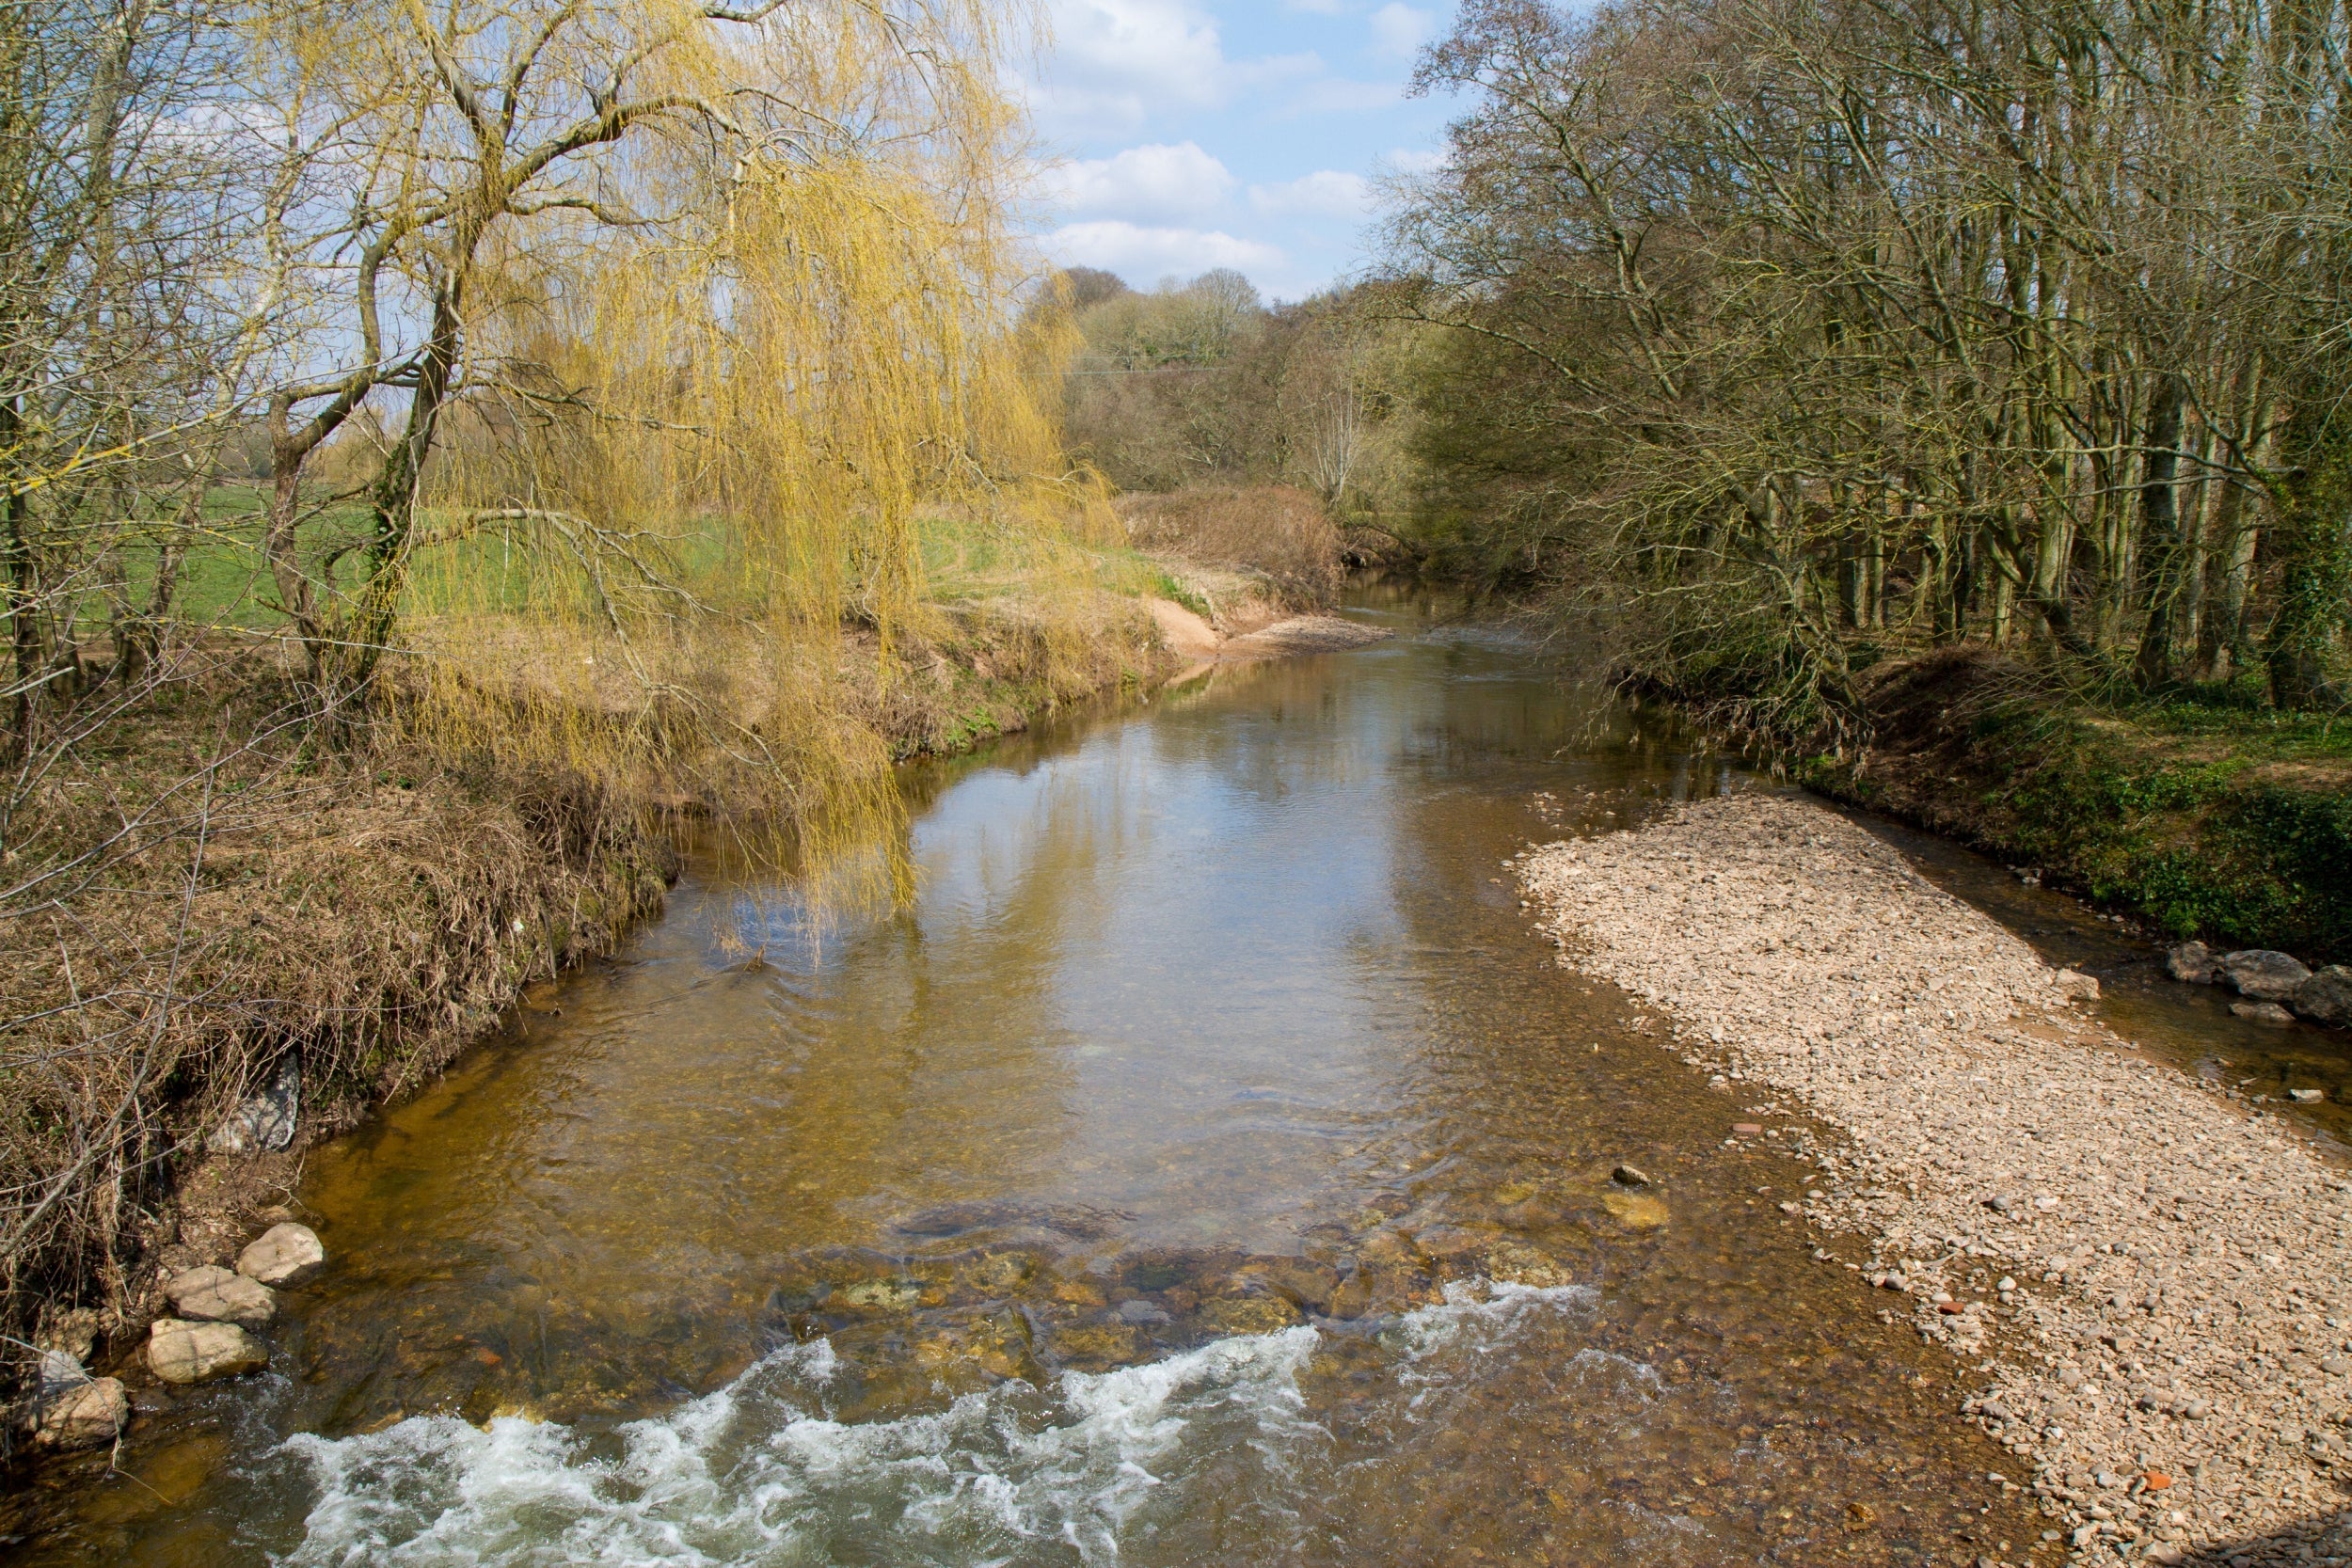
1209,1165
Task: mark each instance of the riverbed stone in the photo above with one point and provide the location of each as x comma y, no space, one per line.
89,1415
1629,1176
211,1294
2263,975
183,1352
2192,961
2261,1012
2326,997
284,1255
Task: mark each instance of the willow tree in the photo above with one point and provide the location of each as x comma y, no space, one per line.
679,311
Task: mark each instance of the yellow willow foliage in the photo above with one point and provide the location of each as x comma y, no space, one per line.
683,525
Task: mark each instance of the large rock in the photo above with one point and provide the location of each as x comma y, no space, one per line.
183,1352
283,1255
2263,974
2191,961
2326,997
266,1121
217,1295
89,1415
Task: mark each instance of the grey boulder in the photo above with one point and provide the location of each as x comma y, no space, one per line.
2326,997
2263,974
283,1255
183,1352
214,1294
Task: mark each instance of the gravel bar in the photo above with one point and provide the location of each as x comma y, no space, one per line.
2168,1360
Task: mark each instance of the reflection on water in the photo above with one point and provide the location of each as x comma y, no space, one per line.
1207,1167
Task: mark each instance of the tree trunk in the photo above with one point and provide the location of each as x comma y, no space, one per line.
2160,520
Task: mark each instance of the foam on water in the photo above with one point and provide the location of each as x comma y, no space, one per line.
758,1473
755,1473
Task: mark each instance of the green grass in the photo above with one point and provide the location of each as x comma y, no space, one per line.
2206,815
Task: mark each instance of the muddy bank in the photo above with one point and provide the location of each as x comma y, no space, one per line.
2145,1283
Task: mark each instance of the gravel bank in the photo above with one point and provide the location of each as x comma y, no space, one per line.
2172,1362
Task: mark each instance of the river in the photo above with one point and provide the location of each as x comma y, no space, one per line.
1208,1165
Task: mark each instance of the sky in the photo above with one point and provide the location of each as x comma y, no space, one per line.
1245,133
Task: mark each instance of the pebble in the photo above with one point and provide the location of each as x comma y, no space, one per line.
1627,1175
2172,1260
284,1255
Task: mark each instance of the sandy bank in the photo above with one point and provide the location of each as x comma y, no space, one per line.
2171,1364
1191,638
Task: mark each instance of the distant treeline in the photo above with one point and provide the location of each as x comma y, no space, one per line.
1200,383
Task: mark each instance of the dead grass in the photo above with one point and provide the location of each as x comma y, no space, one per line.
1274,531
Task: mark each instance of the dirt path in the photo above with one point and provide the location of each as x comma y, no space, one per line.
2170,1359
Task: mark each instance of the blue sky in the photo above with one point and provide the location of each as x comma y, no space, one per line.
1196,133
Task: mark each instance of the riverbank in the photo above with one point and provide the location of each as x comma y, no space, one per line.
366,914
2168,1361
2206,815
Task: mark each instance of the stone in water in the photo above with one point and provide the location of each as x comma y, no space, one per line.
2263,975
283,1255
213,1294
183,1352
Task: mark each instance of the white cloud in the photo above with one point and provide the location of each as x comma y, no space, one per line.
1327,193
1399,30
1143,254
1116,61
1155,182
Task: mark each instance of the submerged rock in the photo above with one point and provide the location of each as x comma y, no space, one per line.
266,1121
2261,1012
283,1255
2327,997
211,1294
2192,961
182,1352
2263,974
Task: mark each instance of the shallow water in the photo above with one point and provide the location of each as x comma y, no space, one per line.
1208,1167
